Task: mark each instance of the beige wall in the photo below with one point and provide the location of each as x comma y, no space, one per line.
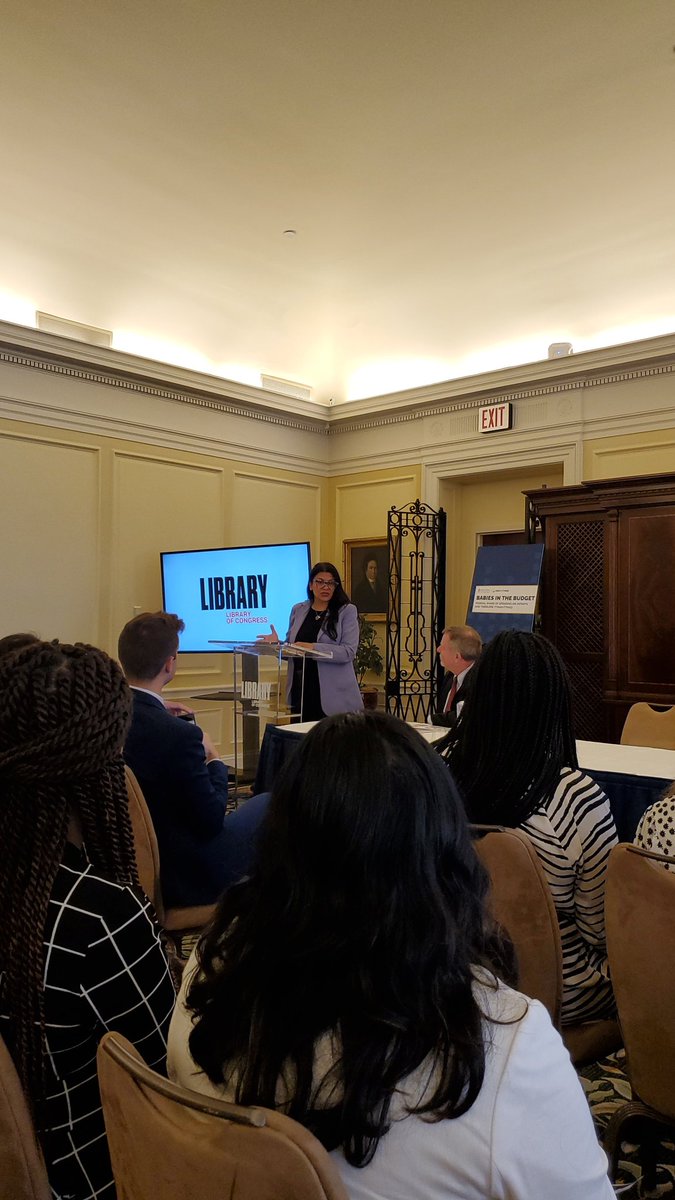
85,518
361,503
637,454
483,504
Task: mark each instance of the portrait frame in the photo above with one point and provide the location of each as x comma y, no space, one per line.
356,553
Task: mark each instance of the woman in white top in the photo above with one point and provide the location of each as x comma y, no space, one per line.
350,983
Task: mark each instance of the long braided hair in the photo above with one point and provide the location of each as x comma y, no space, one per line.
515,733
64,712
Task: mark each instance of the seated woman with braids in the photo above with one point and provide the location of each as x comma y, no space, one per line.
514,758
350,983
79,948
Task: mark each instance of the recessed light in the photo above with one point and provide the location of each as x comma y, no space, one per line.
290,233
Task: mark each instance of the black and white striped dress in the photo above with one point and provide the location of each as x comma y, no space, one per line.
104,969
573,834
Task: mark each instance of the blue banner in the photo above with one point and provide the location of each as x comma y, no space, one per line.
504,589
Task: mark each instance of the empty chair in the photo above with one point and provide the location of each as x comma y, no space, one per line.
640,908
170,1143
646,726
22,1170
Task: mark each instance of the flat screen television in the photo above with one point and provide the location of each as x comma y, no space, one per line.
235,593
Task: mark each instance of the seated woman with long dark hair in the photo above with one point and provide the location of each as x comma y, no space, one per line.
349,983
79,947
515,760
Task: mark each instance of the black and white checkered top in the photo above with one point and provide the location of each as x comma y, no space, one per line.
104,969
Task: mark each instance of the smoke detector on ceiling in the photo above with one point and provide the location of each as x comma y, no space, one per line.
560,349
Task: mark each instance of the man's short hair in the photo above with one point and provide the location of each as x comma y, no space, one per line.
146,642
467,640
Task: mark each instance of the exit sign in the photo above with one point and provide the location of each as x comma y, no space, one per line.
496,416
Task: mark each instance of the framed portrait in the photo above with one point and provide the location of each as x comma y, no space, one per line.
367,575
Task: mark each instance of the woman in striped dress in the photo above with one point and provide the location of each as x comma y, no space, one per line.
514,757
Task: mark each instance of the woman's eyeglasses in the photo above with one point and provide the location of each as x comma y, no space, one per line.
327,583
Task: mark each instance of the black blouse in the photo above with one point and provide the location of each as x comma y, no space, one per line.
311,700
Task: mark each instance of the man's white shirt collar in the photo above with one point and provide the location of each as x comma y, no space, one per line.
147,691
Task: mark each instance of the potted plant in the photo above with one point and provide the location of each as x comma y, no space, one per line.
368,657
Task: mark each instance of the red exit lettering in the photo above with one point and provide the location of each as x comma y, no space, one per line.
496,416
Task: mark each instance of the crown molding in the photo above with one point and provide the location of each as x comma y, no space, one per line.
26,347
593,368
33,349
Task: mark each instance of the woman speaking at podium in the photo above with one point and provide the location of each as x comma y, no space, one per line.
325,621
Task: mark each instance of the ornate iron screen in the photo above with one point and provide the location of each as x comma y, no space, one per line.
416,537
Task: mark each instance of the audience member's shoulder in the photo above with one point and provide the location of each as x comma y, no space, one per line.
82,891
496,1000
576,787
656,830
660,812
513,1019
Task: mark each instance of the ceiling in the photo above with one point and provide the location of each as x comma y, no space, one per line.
469,180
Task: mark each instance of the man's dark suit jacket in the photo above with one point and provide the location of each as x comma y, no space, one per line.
199,854
463,691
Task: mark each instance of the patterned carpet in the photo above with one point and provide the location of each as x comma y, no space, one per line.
607,1088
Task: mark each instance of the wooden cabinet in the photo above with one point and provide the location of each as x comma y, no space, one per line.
607,593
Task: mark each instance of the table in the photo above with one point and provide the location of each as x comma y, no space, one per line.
632,777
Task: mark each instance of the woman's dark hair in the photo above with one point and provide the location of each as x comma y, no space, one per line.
363,919
337,600
514,734
64,712
16,641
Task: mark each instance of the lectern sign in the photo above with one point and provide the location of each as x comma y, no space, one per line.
494,417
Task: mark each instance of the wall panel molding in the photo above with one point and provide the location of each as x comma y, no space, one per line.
523,457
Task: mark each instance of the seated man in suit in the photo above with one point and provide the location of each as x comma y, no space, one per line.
459,649
201,851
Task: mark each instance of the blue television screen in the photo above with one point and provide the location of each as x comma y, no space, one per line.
233,594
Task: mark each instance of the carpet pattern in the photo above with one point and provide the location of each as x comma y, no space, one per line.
607,1088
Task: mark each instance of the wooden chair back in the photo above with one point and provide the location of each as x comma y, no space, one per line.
168,1142
640,921
145,844
645,726
522,904
175,921
23,1175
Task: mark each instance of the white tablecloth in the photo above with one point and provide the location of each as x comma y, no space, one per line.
627,760
593,756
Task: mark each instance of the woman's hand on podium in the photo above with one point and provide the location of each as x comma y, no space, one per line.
272,637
